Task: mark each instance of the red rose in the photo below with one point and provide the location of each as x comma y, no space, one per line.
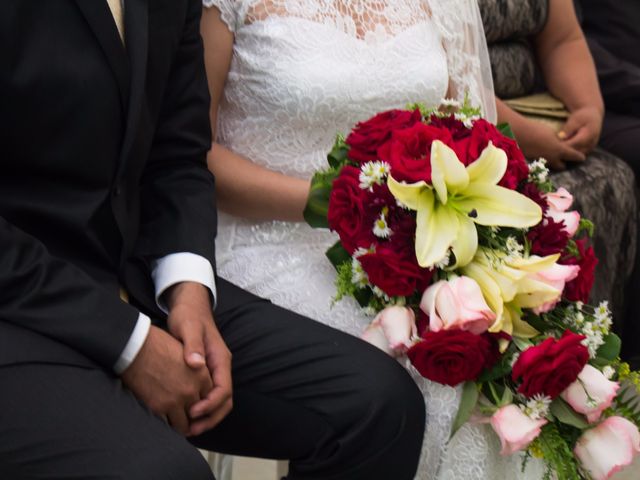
456,127
482,133
451,357
580,287
347,213
532,192
391,273
551,366
548,237
409,152
369,136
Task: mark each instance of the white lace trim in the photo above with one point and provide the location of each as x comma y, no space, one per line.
228,10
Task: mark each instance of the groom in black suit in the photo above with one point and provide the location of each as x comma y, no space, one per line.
112,362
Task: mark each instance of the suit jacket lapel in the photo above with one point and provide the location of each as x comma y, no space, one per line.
136,14
101,21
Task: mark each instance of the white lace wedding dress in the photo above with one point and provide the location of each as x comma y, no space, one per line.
303,70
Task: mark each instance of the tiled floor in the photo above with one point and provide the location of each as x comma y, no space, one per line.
253,469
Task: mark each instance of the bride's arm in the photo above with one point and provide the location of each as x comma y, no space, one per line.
242,187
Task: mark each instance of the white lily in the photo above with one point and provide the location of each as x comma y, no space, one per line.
510,284
459,198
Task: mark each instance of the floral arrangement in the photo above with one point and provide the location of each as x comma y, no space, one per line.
477,269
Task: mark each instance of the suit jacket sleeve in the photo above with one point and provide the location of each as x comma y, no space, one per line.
619,80
178,211
52,297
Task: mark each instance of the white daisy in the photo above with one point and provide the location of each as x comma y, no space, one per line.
608,372
537,407
373,173
381,227
358,276
451,103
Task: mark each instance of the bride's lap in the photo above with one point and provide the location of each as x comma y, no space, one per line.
299,277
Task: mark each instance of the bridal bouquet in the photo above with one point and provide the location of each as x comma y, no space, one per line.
477,269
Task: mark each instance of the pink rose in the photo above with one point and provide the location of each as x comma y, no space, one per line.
392,331
559,202
515,429
556,277
608,448
591,393
457,304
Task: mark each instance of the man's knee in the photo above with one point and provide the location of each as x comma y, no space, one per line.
397,398
176,462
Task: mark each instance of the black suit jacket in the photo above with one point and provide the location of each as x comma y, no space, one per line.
102,169
612,29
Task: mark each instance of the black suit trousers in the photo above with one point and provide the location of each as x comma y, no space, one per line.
336,406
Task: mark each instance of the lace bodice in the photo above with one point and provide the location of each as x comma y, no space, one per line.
302,71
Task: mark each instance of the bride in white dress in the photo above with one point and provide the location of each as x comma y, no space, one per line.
285,77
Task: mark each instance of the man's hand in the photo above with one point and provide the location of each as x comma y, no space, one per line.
538,140
191,321
582,130
160,378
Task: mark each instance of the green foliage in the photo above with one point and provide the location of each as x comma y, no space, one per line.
337,255
344,284
505,129
467,404
540,323
338,155
499,370
557,454
586,226
315,212
627,404
424,110
625,374
610,349
567,415
467,109
572,248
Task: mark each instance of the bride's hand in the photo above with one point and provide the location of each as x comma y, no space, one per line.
538,140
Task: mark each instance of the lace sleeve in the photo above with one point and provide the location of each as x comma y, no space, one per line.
228,11
460,27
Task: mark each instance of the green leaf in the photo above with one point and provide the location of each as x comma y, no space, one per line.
586,226
600,362
565,414
610,349
537,322
522,343
499,370
467,404
505,129
363,296
337,255
315,212
507,397
338,155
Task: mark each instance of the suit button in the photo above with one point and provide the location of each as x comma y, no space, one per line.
117,191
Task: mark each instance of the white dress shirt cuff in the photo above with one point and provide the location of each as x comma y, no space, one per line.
133,346
181,267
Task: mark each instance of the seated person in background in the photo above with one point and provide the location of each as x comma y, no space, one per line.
612,30
569,74
602,184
